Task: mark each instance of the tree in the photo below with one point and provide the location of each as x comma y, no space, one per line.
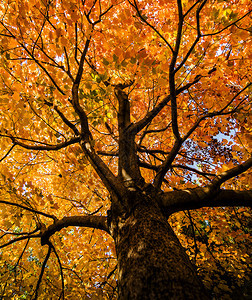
117,116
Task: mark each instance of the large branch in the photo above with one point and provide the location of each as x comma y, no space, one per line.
98,222
173,69
175,201
110,181
210,195
128,168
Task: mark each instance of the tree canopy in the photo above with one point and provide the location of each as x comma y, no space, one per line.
174,78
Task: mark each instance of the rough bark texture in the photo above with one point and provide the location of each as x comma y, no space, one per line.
152,264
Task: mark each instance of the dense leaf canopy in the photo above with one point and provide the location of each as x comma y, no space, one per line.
65,68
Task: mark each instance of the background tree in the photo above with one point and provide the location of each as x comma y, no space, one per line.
115,116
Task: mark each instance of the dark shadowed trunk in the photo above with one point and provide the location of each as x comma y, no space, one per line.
152,264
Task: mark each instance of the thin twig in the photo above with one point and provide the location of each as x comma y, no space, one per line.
42,270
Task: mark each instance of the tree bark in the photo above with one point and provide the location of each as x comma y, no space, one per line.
152,264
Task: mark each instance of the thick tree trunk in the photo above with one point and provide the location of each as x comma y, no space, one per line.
152,264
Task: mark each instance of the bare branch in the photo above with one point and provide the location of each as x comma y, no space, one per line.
41,29
76,44
153,131
138,126
111,182
42,119
23,251
18,233
68,71
37,62
191,8
234,97
145,165
143,149
205,174
106,153
108,178
102,14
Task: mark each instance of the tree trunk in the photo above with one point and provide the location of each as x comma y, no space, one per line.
152,264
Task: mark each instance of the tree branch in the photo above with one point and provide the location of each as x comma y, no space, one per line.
233,23
172,73
29,209
199,197
47,147
204,174
61,271
63,118
138,126
224,176
31,55
111,182
42,270
101,168
21,238
98,222
197,38
8,152
86,134
221,112
144,20
164,167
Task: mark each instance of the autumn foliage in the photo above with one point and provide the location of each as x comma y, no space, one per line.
185,67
